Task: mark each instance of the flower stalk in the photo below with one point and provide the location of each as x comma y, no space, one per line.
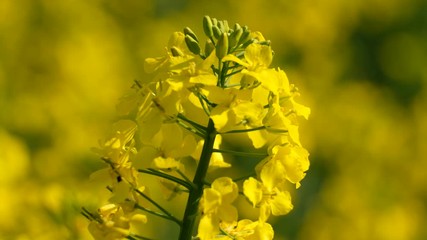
191,210
227,85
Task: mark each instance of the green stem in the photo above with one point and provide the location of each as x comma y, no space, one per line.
157,173
199,127
90,216
137,206
171,217
219,83
136,237
242,154
244,130
233,73
223,74
191,129
195,195
203,103
183,176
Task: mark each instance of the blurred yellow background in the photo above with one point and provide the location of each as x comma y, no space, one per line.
360,65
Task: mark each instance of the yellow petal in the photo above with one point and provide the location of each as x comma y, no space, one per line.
177,40
211,200
120,192
166,163
296,163
205,79
227,188
173,145
263,231
281,203
258,56
139,218
187,146
220,115
228,214
258,138
103,175
302,110
272,174
252,189
264,212
123,132
257,35
198,150
249,112
153,64
233,58
208,228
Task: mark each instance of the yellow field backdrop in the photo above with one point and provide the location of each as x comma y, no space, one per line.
360,65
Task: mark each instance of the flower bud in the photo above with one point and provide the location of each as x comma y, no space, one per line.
221,26
237,27
235,37
225,27
222,46
188,31
216,31
192,44
207,26
209,47
247,43
265,43
214,22
176,52
245,36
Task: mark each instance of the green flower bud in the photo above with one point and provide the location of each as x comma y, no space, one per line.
192,44
188,31
216,31
246,35
235,37
207,26
222,46
214,22
237,27
225,27
266,43
221,26
176,52
247,43
209,47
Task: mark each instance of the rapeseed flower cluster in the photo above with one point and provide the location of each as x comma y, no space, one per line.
200,93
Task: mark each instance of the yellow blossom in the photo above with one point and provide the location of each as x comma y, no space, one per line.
176,54
119,145
274,200
246,230
216,207
195,97
165,151
294,160
113,222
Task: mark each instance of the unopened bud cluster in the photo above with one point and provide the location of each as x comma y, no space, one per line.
197,98
220,37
